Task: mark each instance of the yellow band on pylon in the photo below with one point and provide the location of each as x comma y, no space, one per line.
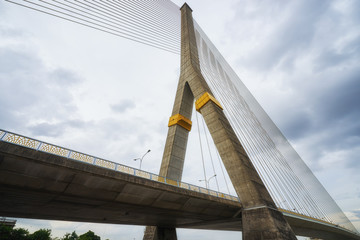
181,121
204,99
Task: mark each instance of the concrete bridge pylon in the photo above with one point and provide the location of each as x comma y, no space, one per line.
260,217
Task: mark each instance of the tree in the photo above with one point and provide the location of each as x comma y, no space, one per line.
20,234
5,232
72,236
10,233
89,236
42,234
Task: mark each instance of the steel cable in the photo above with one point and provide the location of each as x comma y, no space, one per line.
263,141
153,36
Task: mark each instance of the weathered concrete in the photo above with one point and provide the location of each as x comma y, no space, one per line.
157,233
176,141
175,147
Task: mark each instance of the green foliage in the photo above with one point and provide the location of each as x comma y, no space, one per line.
20,234
72,236
42,234
9,233
5,232
89,236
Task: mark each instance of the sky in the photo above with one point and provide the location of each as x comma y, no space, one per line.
112,98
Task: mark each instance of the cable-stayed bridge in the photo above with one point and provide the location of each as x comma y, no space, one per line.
289,183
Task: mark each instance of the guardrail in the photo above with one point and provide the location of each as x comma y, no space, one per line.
7,221
292,213
17,139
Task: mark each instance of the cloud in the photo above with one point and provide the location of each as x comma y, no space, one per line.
281,31
56,129
331,112
342,158
321,48
123,106
6,31
64,78
31,91
15,62
347,53
34,96
354,215
298,125
340,102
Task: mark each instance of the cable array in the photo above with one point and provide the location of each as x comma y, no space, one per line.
153,23
201,149
210,155
278,164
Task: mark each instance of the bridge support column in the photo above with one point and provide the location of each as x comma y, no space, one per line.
175,148
159,233
265,223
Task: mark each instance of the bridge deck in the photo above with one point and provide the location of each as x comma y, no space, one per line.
40,185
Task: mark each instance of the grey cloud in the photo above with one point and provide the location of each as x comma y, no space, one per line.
313,48
117,129
357,213
30,92
341,102
289,36
336,141
298,124
123,106
330,97
353,8
15,62
352,160
8,32
2,8
295,34
64,78
329,58
331,116
47,129
56,129
8,119
144,138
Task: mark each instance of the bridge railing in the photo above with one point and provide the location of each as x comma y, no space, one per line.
309,218
17,139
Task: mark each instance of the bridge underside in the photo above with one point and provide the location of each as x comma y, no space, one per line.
35,184
40,185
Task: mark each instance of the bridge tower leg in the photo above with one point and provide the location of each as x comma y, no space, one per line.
260,216
175,148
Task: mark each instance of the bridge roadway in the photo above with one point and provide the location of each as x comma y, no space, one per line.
41,185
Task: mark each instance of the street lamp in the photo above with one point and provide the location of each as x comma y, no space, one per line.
142,158
207,181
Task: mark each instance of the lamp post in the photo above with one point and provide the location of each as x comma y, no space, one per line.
142,158
207,181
